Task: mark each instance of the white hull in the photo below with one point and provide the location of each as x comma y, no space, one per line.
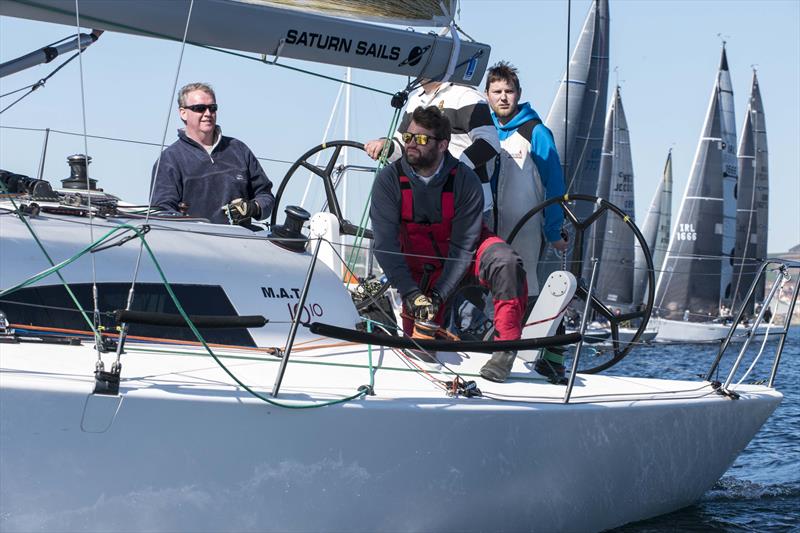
689,332
626,335
678,331
182,449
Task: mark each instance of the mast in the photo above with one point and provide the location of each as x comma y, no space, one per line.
656,230
753,200
697,266
616,273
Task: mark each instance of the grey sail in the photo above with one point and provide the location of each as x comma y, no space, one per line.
615,245
697,272
577,124
655,230
730,173
752,201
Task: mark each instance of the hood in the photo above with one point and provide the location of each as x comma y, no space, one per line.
524,114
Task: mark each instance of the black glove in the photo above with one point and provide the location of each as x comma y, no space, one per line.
241,211
421,306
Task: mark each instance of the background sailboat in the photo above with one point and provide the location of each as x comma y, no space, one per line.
614,242
656,231
753,201
695,284
577,114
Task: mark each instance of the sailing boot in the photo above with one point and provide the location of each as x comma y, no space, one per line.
499,366
550,364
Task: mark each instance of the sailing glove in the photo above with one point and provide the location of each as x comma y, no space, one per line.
242,211
421,306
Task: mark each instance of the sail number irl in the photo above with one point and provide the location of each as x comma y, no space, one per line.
686,232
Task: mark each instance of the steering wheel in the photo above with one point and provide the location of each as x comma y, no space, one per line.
576,262
330,184
369,290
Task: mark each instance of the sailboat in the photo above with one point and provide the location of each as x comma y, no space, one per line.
614,244
250,395
656,230
694,291
577,116
752,213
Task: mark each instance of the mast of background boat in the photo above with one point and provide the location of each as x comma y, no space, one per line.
578,126
594,246
752,201
692,275
614,283
656,230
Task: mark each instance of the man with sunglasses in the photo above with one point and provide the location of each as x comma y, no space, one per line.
427,220
206,174
473,139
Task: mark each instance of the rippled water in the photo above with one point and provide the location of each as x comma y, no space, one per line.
761,491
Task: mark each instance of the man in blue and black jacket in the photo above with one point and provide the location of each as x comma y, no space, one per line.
215,177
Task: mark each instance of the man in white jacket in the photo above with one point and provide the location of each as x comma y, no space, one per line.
529,172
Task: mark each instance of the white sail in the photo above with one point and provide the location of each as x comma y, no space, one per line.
266,29
656,230
730,172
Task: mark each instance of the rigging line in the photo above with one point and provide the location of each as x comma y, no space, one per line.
295,69
324,139
565,162
129,303
98,340
351,262
72,296
38,84
120,139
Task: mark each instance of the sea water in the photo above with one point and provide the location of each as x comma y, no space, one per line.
761,491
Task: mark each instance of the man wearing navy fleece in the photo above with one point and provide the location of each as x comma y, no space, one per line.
529,173
216,177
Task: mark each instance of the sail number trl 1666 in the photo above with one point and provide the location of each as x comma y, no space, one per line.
686,232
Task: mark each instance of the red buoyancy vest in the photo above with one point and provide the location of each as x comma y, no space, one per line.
426,242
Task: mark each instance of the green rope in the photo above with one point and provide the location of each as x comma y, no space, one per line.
50,260
182,312
353,256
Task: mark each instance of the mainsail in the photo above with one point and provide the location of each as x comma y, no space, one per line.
656,229
753,199
615,243
286,30
577,114
697,272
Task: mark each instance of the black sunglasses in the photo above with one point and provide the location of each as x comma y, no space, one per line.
420,138
201,108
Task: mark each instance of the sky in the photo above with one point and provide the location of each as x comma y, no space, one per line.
664,55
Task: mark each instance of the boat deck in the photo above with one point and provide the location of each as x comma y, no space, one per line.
329,371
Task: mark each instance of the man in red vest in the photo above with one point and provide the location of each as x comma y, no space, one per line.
429,235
